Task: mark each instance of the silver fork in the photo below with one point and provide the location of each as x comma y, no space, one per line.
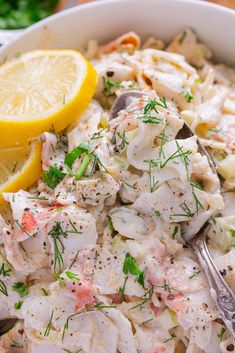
220,291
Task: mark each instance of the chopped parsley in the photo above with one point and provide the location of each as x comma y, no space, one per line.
157,213
18,305
53,176
131,267
21,289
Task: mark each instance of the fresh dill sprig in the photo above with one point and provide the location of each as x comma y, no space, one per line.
109,85
22,228
122,290
179,153
55,233
4,272
123,139
3,288
175,231
195,273
48,328
186,209
98,306
74,260
146,298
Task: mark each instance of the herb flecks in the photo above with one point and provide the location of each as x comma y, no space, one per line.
149,109
194,274
179,153
72,275
49,325
130,266
20,288
53,176
175,231
109,85
99,306
3,288
18,305
4,272
123,140
55,233
145,298
188,96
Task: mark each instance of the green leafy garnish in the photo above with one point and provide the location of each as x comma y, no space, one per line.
131,267
20,288
222,332
72,275
55,234
18,305
123,139
110,224
48,329
195,273
74,260
53,176
4,272
175,231
44,292
22,228
98,306
71,156
122,290
17,14
3,288
157,213
109,85
179,153
146,298
188,96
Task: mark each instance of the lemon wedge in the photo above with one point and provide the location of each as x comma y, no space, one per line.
20,167
40,90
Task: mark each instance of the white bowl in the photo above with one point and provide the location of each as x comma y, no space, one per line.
103,20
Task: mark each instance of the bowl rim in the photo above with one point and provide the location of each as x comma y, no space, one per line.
100,3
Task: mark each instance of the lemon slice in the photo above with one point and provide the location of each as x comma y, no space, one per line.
43,89
20,167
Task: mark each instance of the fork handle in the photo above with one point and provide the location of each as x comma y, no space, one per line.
220,291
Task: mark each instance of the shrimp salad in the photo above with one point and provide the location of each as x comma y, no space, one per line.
93,258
